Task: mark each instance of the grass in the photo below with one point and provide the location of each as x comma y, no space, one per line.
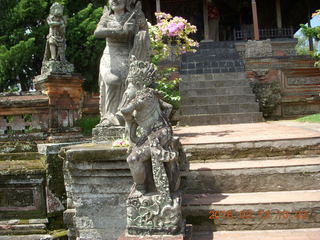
87,123
315,118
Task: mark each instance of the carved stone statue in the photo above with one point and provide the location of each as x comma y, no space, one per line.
155,157
54,57
126,32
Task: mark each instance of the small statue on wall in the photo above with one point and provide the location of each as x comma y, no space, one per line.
54,57
155,156
56,40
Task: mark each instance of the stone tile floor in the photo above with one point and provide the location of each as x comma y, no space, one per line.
249,132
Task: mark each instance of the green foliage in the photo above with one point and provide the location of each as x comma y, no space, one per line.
302,48
15,64
83,49
168,87
87,124
23,31
311,118
313,32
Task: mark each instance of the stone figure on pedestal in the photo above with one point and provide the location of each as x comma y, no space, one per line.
126,32
155,157
54,57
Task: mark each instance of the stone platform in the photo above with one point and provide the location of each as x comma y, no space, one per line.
254,176
271,132
249,177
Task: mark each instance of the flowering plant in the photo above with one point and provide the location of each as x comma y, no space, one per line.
171,36
120,142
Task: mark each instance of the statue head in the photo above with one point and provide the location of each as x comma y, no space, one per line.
141,74
120,5
56,9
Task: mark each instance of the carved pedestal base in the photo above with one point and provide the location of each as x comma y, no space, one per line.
107,134
187,235
52,66
154,214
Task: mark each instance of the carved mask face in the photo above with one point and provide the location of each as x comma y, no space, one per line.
118,4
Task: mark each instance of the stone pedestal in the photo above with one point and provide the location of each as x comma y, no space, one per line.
107,134
65,95
97,181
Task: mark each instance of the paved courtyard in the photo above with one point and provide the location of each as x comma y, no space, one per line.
249,132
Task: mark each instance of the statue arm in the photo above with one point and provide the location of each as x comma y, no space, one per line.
53,23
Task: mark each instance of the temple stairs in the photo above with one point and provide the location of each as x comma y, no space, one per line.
254,190
214,87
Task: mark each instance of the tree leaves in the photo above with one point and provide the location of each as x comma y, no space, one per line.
23,31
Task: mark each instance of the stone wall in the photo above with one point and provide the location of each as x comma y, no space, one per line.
283,47
24,115
97,180
294,77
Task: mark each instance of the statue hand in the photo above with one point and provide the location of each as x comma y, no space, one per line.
128,27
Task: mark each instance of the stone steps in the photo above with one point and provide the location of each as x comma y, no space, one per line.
213,84
216,69
23,227
261,175
20,156
17,147
227,91
252,150
253,211
220,118
218,99
291,234
33,167
215,77
220,108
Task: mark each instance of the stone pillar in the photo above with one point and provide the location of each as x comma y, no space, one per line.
205,19
65,101
255,20
158,9
98,181
279,17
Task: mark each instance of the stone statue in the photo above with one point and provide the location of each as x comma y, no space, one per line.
155,157
54,57
126,32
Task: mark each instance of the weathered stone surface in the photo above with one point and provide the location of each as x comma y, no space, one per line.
57,67
249,176
107,134
298,80
96,200
258,49
21,196
248,211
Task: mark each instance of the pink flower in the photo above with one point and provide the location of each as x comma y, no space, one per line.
173,29
181,25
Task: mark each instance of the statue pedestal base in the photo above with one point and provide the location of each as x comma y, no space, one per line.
107,134
186,236
65,95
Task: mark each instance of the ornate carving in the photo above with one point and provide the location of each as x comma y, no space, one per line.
154,204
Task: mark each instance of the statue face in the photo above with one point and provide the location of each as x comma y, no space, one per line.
118,4
130,91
